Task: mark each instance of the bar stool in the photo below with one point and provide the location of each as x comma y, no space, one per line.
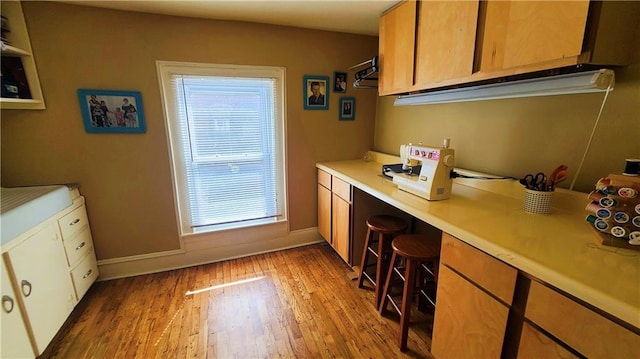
378,248
420,255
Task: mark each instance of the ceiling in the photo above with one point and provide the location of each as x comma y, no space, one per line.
350,16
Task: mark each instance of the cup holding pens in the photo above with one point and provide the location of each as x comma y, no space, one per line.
537,202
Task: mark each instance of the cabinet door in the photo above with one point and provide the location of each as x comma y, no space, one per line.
324,212
41,272
446,40
15,340
396,48
341,218
522,33
468,323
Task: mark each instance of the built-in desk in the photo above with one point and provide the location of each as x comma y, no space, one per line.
559,249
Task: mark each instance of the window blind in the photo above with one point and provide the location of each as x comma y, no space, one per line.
228,133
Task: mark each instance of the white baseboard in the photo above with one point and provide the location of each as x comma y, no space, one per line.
197,251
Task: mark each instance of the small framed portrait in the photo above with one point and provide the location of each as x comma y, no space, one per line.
339,82
107,111
347,108
316,94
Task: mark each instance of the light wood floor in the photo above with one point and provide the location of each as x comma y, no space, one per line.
298,303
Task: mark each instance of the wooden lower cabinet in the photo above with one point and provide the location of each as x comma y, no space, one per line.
535,344
473,300
580,328
334,213
468,323
341,219
324,212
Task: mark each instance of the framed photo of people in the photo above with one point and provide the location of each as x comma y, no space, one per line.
339,82
347,108
316,92
108,111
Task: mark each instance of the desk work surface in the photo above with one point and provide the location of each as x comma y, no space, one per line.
559,248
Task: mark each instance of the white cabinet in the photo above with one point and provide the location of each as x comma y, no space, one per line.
42,276
51,268
18,65
15,340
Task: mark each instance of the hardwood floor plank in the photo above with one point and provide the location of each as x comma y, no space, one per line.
297,303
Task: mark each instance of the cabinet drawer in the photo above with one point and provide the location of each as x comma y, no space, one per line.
535,345
73,222
324,179
484,270
78,246
589,333
341,188
85,274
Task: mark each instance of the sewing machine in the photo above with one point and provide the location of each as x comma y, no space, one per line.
434,181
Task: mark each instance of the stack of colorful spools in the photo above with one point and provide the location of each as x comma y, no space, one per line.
615,210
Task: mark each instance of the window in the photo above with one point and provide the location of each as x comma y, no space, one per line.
226,135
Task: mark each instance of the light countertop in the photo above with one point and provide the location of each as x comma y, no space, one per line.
558,248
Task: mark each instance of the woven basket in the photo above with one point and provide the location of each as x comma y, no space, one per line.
538,202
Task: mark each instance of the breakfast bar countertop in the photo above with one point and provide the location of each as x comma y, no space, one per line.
559,248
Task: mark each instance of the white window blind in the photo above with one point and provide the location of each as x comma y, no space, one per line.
226,135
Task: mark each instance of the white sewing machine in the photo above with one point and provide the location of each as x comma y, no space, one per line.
434,181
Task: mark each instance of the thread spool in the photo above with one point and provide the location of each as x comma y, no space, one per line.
636,221
591,218
619,232
592,207
634,238
596,196
601,225
603,213
621,217
607,202
627,192
632,167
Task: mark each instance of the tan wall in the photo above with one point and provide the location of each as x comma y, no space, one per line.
513,137
126,177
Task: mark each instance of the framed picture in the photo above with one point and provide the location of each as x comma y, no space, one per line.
347,108
339,82
316,95
106,111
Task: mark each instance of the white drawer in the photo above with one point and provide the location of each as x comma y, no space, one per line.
78,246
73,222
85,274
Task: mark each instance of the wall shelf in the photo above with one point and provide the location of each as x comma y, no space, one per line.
18,64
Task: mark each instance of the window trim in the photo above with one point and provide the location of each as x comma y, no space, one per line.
178,176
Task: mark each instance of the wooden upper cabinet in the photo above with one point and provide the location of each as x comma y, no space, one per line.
446,37
396,48
524,33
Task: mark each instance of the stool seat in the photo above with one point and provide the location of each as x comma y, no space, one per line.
377,251
416,246
412,255
386,224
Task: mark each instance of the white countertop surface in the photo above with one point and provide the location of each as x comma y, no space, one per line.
558,248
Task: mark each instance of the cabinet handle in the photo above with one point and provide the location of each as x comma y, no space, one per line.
7,299
87,274
26,287
75,221
81,245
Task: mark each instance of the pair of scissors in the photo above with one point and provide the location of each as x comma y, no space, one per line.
535,182
558,175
